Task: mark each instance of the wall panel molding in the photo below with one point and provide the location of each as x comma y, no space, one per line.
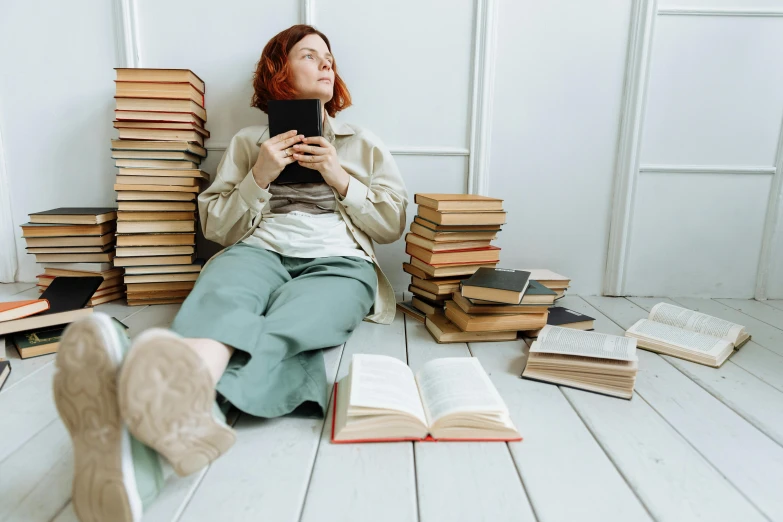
484,46
774,207
126,33
706,169
8,261
308,12
637,67
696,11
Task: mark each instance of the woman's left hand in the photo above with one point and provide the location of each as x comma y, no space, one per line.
318,154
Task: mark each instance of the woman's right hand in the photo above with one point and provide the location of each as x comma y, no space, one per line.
273,155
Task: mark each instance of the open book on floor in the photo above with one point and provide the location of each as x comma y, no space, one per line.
586,360
452,398
689,335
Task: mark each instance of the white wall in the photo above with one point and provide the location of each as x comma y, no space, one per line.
714,99
708,153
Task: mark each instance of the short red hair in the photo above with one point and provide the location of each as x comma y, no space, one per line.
271,80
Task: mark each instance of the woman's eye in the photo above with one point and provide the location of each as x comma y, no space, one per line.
308,56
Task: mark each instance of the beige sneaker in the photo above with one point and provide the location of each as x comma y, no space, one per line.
167,399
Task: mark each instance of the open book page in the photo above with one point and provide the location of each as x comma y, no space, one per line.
457,384
380,382
554,339
696,322
673,335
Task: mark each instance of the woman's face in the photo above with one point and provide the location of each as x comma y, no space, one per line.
311,68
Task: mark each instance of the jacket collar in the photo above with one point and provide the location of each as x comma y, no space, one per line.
331,125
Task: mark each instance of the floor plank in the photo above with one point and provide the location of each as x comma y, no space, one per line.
764,334
462,481
775,303
748,458
374,481
673,480
265,475
756,309
558,458
9,291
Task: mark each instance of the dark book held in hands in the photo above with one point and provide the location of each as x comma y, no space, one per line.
305,117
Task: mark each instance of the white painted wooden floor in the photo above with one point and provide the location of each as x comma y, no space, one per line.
695,443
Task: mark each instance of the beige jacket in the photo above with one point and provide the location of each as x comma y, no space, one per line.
374,205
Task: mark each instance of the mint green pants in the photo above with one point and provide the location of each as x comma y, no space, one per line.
278,313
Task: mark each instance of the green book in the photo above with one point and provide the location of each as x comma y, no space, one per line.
33,343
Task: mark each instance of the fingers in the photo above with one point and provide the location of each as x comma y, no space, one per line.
282,137
317,151
306,158
318,141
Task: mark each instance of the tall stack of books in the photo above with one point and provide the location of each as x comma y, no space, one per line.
160,116
449,239
74,242
495,303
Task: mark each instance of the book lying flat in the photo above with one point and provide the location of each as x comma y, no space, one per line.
75,216
590,361
548,278
463,218
140,74
444,331
415,314
494,322
559,316
501,285
472,227
425,306
17,309
439,246
689,335
535,293
51,230
447,270
490,254
458,202
442,237
381,400
42,341
166,146
67,298
496,308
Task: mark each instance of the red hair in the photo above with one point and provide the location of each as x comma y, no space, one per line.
272,79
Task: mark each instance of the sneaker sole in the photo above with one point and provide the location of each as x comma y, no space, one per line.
85,393
166,399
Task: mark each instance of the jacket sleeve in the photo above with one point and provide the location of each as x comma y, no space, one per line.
378,209
234,201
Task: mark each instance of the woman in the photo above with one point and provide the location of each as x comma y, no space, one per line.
299,275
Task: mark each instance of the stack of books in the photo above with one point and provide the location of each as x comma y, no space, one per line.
73,242
449,239
160,116
553,281
496,302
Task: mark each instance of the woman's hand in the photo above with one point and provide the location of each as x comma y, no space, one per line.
273,155
318,154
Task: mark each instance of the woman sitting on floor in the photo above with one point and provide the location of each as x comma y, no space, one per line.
299,274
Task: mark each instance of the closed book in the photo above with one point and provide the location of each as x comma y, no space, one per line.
160,105
68,241
11,310
154,260
136,227
156,75
75,258
502,285
565,318
152,145
426,306
157,180
497,308
493,322
444,331
155,239
161,135
437,286
184,173
462,218
161,125
141,251
50,230
458,202
42,341
490,254
155,301
147,157
155,206
45,280
434,246
67,298
548,278
428,295
536,294
303,116
70,249
165,90
89,268
75,216
135,195
161,278
447,270
406,308
159,287
166,269
155,216
180,117
435,227
443,237
155,164
153,188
